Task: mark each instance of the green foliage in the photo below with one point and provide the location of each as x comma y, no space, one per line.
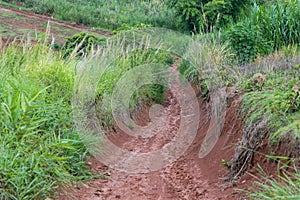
39,148
105,14
150,93
146,56
217,13
190,12
280,104
285,186
203,15
146,94
81,44
126,27
265,29
189,72
247,41
293,129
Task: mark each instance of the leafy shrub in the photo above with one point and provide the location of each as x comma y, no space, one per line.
218,13
265,29
81,44
203,15
247,41
105,14
189,11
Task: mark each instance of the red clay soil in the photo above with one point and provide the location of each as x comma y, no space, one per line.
187,178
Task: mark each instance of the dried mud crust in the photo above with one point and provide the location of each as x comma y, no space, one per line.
187,178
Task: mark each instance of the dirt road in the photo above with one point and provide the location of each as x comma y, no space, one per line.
187,178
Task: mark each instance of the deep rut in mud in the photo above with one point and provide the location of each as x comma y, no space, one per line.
188,178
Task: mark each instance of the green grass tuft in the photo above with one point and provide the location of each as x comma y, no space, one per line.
39,149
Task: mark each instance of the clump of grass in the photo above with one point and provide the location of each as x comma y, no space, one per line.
279,95
110,63
286,185
81,44
39,148
284,59
209,63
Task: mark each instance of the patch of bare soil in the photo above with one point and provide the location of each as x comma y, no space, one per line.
33,21
187,178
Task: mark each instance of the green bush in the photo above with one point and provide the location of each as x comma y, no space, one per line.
81,44
218,13
205,15
265,29
247,41
190,13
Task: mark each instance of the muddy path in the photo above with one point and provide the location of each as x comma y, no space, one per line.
17,23
188,178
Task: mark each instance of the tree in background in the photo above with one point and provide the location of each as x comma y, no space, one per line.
217,13
203,15
190,12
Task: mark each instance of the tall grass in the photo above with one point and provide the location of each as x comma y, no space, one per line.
105,14
284,59
39,149
105,66
279,23
265,29
285,186
209,62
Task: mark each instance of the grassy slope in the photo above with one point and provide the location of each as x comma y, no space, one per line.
103,14
278,102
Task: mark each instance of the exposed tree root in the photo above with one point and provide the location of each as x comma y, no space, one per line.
253,136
